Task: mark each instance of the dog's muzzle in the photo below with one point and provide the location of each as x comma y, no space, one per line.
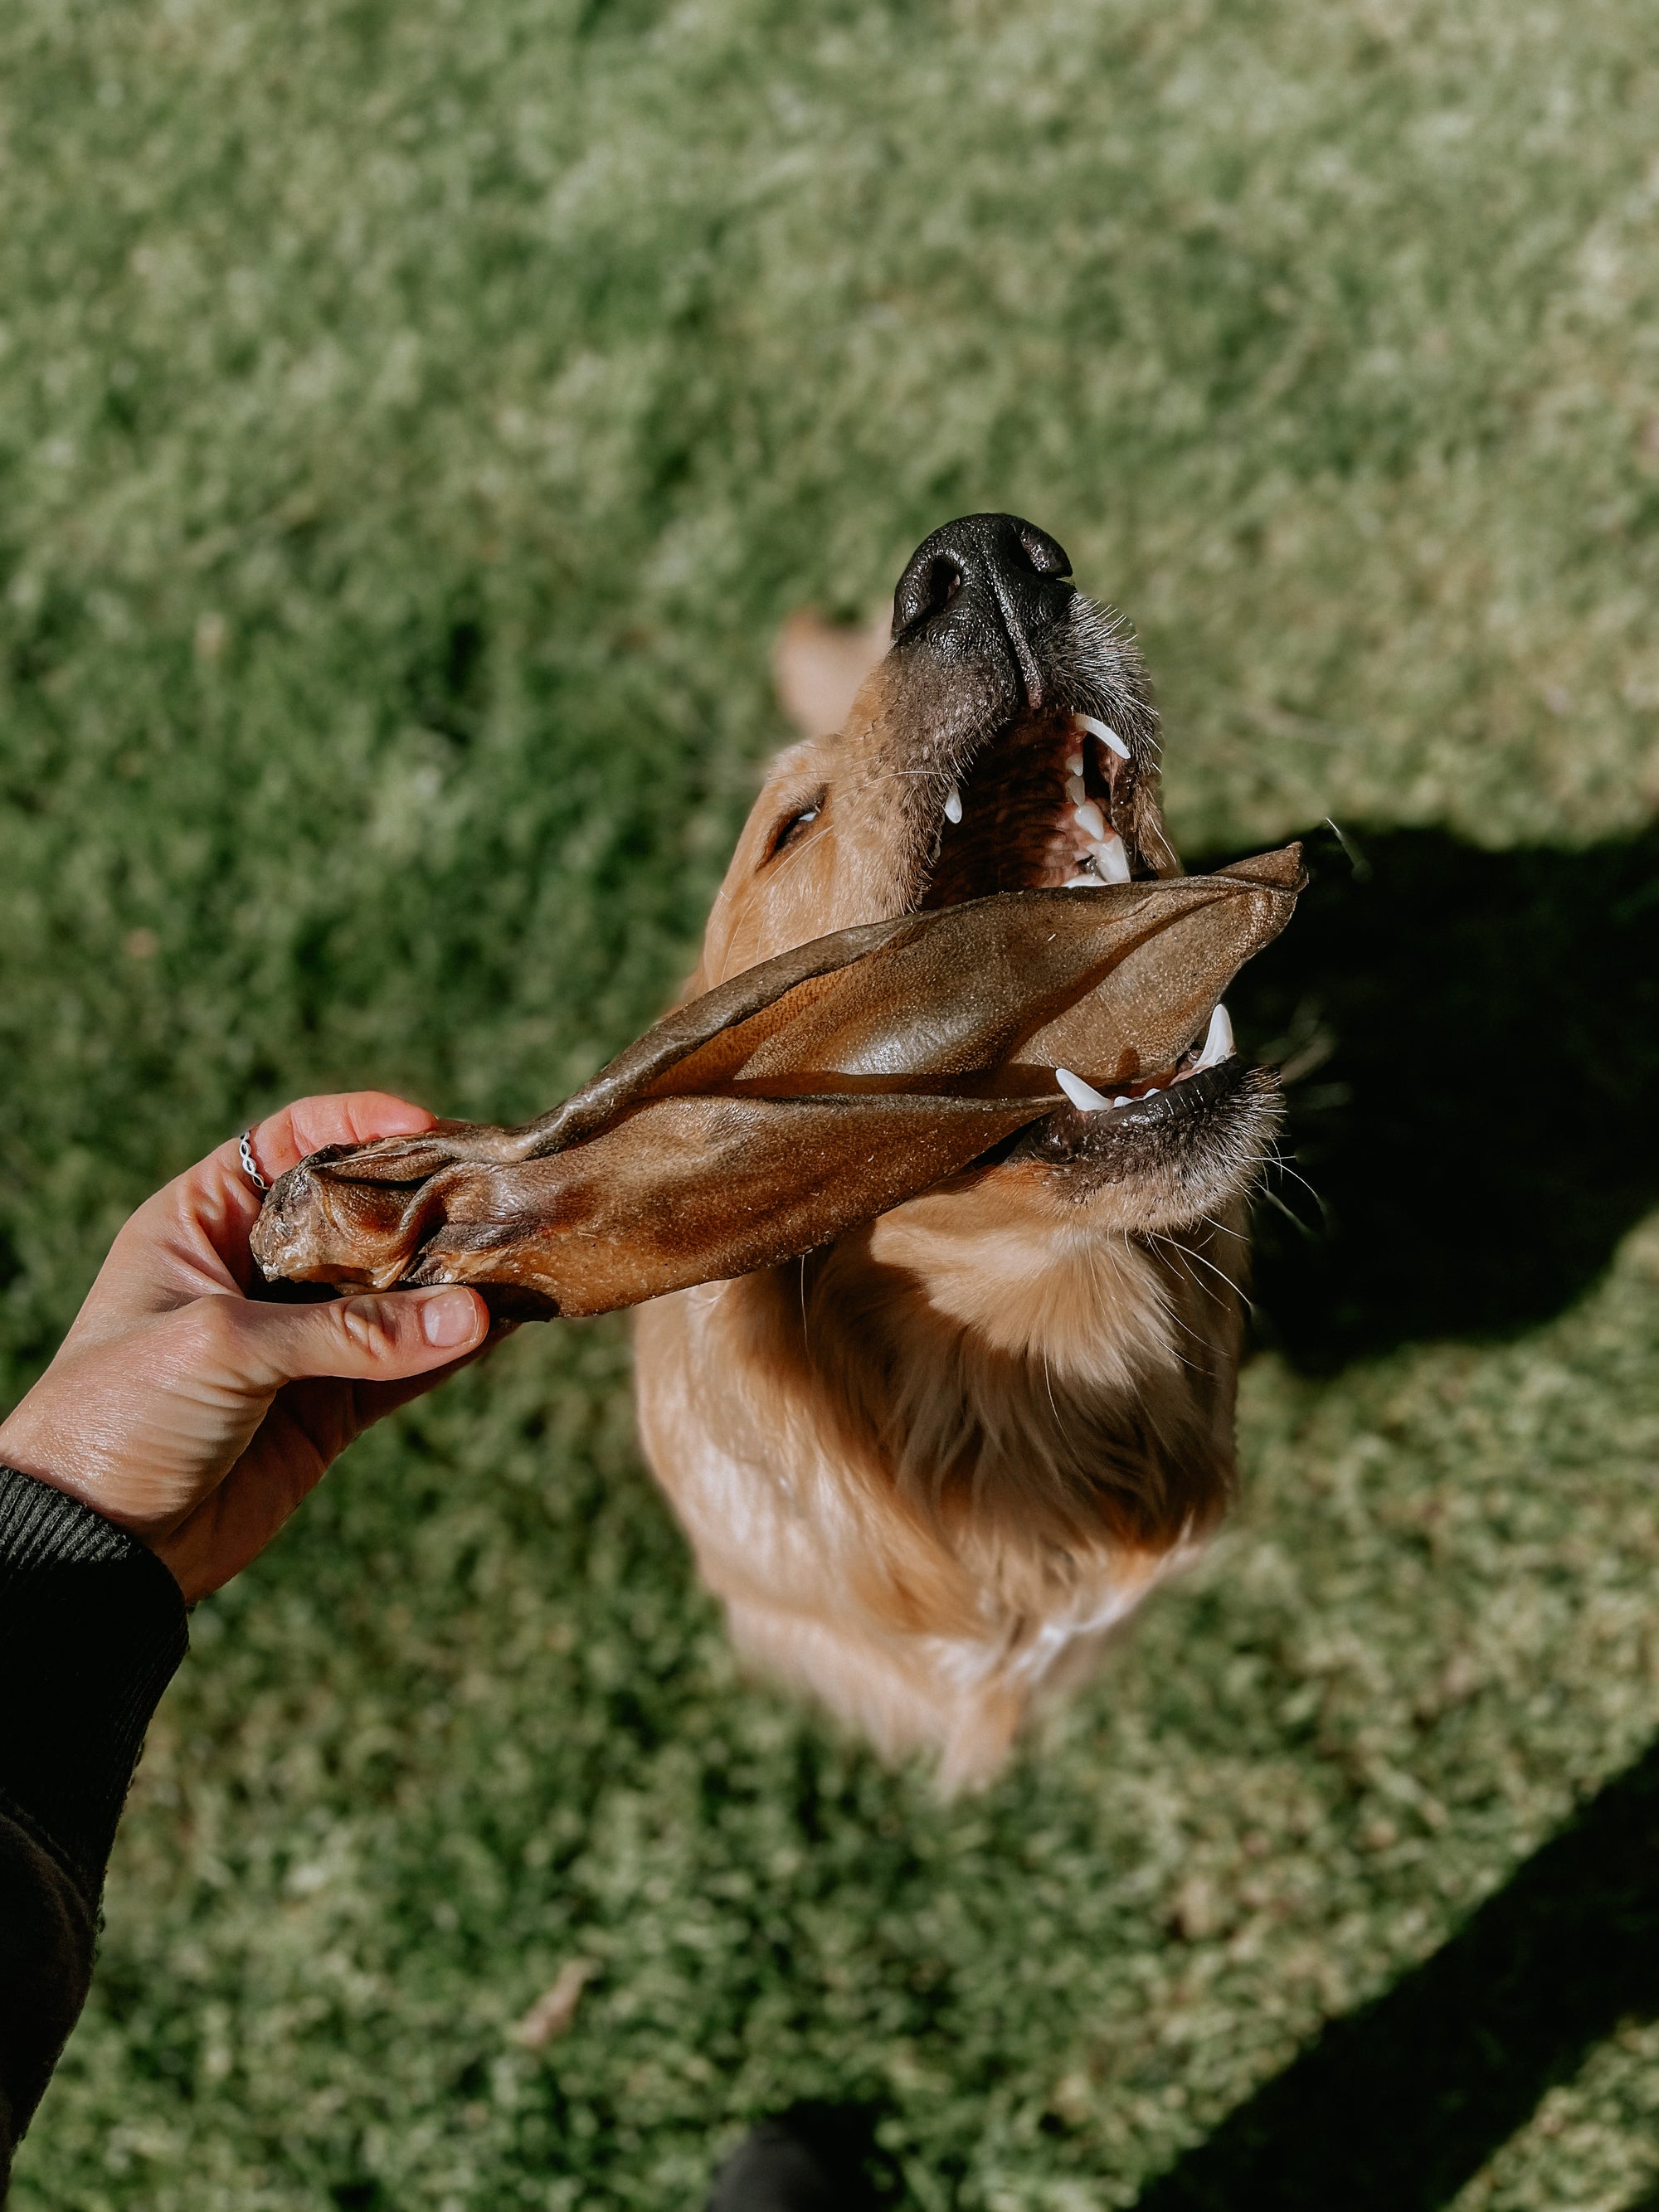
987,591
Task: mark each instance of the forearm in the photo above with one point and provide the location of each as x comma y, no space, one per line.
92,1629
195,1420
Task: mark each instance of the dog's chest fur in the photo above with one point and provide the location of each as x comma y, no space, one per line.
929,1468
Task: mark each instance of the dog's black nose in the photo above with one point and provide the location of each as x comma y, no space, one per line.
983,581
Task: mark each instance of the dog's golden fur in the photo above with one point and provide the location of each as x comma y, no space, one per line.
929,1467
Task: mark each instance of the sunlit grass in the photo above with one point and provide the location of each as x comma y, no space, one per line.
413,421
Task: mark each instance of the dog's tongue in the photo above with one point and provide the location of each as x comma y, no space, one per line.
774,1112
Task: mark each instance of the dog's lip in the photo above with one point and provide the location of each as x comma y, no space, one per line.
1072,1132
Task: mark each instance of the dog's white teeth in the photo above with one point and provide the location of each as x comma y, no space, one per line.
1081,883
1219,1039
1107,737
953,804
1083,1095
1111,859
1073,764
1076,790
1124,1101
1089,820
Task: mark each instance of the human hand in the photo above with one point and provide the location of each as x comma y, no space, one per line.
197,1418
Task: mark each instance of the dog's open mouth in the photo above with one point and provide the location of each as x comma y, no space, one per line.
1044,806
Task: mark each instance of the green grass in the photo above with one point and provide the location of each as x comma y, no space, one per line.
413,421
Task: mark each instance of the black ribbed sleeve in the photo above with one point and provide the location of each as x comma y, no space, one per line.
92,1629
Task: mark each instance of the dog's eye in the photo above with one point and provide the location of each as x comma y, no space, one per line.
794,826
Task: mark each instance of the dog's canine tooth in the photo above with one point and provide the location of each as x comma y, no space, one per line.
1083,1095
1107,737
1110,859
1089,819
953,804
1218,1039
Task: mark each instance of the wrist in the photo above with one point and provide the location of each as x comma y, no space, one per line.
103,1432
31,1443
24,1448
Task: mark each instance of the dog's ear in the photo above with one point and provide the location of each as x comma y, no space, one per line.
818,667
772,1114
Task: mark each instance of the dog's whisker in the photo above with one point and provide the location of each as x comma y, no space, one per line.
1278,1160
1190,1253
1279,1206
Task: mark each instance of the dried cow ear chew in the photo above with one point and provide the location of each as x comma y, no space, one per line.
766,1117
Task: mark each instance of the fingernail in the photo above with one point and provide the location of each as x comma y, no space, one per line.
448,1317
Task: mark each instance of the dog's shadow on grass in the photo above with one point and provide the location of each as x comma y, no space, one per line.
1473,1040
1396,2107
1480,1083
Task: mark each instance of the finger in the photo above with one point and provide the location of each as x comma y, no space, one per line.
374,1400
375,1339
283,1139
309,1424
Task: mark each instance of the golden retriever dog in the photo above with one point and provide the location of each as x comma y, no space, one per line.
930,1466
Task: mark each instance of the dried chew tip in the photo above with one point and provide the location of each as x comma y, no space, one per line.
812,1092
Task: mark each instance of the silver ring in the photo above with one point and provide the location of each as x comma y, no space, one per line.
245,1146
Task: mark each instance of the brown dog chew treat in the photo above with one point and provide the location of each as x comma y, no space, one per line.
810,1093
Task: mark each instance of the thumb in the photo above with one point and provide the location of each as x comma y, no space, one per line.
382,1339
